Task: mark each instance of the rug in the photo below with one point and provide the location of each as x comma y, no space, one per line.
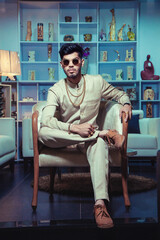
80,183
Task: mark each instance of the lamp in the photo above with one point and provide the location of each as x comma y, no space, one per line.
9,64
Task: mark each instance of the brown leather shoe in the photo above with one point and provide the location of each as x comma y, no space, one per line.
102,217
114,138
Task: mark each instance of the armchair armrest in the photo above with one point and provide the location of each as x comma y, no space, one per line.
154,129
111,118
7,127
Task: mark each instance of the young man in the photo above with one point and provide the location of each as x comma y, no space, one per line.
77,97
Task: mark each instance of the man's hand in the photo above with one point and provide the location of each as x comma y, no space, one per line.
84,129
128,110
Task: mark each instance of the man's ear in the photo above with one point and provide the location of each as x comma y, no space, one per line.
61,64
82,62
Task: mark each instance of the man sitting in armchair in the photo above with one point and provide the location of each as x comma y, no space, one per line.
77,97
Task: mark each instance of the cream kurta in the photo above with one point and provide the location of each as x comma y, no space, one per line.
96,89
54,133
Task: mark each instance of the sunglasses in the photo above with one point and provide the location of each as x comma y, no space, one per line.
66,62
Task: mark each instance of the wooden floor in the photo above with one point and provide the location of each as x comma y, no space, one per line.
72,213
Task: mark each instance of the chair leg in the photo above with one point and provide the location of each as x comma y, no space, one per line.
52,178
124,181
35,187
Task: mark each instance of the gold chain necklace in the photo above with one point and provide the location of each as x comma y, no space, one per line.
72,93
83,92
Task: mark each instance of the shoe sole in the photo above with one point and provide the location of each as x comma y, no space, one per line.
106,226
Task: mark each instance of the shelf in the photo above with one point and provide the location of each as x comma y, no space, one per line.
118,62
37,81
39,62
153,101
26,102
88,23
38,42
117,42
150,81
123,81
68,23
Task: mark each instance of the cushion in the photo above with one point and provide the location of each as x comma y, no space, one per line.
142,141
133,124
6,145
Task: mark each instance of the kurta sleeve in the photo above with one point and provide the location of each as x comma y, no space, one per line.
49,118
109,93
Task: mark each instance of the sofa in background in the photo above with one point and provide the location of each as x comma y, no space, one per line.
7,142
27,141
144,135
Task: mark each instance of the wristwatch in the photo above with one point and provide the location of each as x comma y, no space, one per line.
126,104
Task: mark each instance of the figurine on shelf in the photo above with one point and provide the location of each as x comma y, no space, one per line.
44,92
130,34
102,36
40,31
129,55
49,52
120,33
118,55
129,72
29,31
149,110
119,74
50,32
112,33
148,72
148,93
51,73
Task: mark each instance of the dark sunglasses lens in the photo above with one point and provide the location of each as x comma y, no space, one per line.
65,62
75,61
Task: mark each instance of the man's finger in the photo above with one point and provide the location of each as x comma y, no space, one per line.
126,118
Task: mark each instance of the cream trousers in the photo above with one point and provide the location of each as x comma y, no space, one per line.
96,151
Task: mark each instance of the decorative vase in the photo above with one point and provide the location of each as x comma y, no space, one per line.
51,73
148,93
149,113
88,18
68,19
112,33
85,66
40,31
50,32
29,31
49,52
87,37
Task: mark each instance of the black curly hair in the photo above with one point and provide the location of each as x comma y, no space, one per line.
69,48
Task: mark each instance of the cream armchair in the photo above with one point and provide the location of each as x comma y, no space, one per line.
53,158
7,142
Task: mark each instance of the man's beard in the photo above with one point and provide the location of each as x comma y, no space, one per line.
73,75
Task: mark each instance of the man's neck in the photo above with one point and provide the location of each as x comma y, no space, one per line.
75,80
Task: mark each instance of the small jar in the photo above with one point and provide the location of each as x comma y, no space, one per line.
40,31
148,94
88,18
68,19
